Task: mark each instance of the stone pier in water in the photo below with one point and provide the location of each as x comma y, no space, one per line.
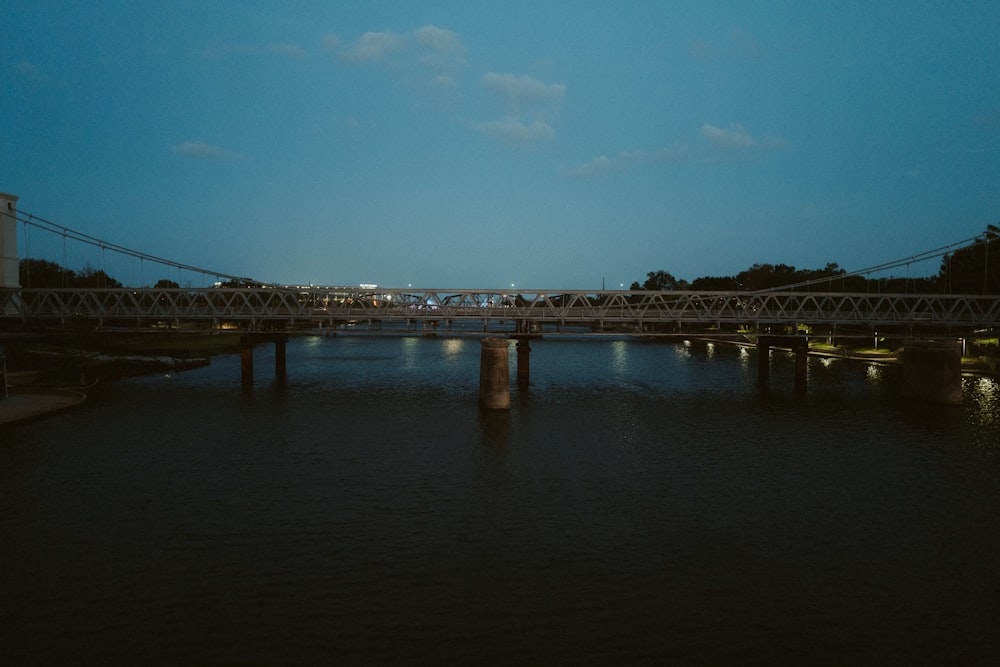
494,374
797,344
247,344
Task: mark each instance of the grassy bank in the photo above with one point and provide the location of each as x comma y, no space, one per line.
81,359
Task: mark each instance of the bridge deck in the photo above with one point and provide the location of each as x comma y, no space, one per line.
260,306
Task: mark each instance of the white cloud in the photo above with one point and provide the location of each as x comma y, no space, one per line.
624,161
513,130
438,39
429,46
440,48
737,138
526,98
599,165
202,151
373,46
518,90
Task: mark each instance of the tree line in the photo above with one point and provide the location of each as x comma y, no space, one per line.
973,269
42,273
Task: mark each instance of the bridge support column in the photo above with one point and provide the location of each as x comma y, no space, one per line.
523,361
763,360
3,372
494,374
247,344
279,357
9,265
798,344
932,371
246,360
801,367
8,241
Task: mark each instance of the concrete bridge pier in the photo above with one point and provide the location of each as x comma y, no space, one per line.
279,357
932,371
494,374
763,360
801,367
246,359
798,344
247,344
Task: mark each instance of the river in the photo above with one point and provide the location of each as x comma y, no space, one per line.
640,503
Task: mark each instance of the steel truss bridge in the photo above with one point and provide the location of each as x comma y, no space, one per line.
523,311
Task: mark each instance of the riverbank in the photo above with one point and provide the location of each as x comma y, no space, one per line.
61,382
43,378
982,365
72,360
22,406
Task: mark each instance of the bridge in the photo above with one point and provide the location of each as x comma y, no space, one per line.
769,319
786,317
270,308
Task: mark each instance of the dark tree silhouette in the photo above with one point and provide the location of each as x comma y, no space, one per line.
94,278
722,283
974,269
43,273
35,273
661,281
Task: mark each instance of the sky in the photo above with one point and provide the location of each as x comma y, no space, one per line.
467,144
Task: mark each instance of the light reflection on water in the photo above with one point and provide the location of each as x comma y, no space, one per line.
874,372
639,502
744,358
982,396
453,347
619,357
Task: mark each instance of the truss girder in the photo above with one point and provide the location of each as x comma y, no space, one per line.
638,307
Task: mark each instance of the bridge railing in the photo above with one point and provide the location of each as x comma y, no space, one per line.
263,304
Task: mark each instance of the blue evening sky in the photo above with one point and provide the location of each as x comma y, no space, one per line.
480,144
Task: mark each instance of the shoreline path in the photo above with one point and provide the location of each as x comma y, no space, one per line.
22,406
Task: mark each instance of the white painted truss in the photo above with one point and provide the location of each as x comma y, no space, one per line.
252,307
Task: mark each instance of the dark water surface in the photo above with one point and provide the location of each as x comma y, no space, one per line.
640,503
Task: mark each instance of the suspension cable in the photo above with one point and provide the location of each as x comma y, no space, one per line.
905,261
66,232
54,228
